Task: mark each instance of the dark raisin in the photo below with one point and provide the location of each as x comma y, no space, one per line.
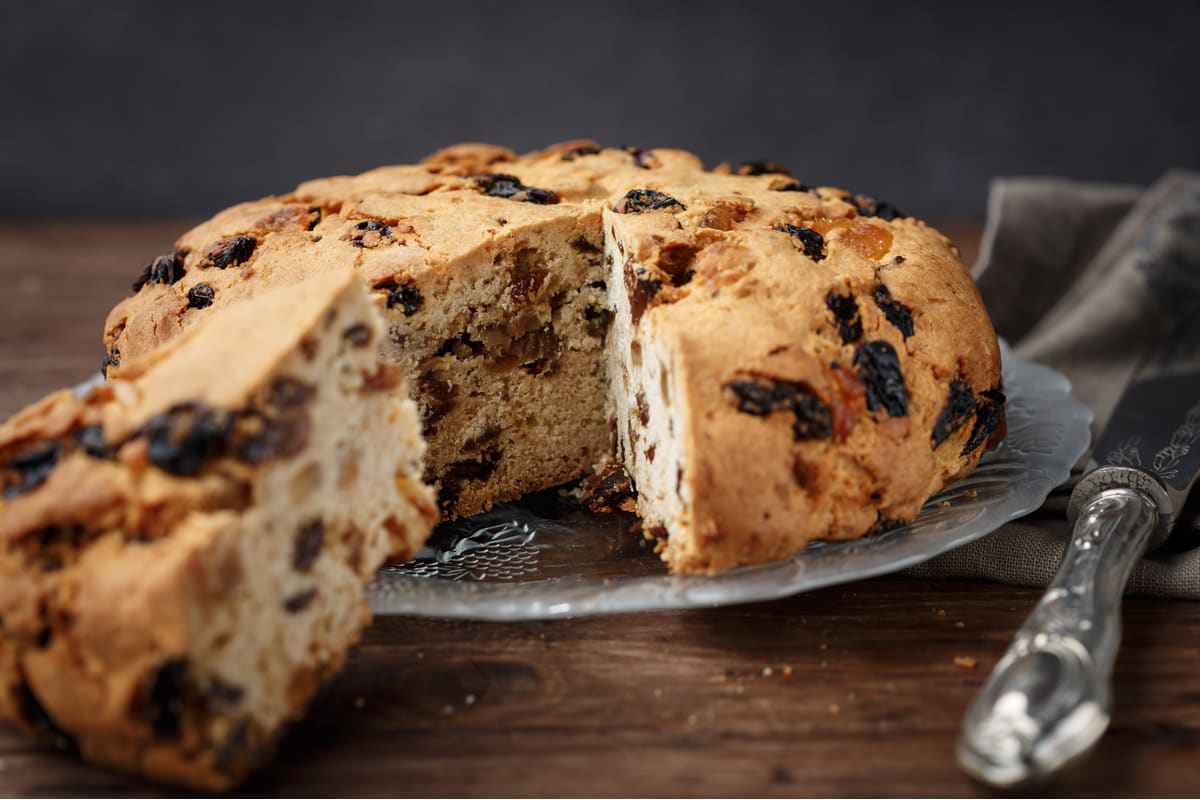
528,274
224,693
370,233
234,748
458,473
762,396
989,416
606,490
597,321
581,245
479,469
161,702
32,468
262,438
309,541
756,396
232,251
845,311
636,201
374,225
166,269
407,297
640,289
437,397
792,186
461,346
642,158
959,406
358,335
35,715
870,207
290,393
201,296
111,359
581,150
537,352
185,437
896,312
300,601
879,370
510,187
884,525
91,440
762,168
813,242
676,260
813,418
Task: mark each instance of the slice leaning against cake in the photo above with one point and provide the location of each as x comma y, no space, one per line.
185,547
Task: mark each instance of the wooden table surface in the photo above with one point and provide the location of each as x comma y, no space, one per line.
849,690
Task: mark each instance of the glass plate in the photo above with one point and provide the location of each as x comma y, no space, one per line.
544,559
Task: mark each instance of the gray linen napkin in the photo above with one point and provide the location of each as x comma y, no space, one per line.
1086,278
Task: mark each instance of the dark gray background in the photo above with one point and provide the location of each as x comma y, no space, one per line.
153,109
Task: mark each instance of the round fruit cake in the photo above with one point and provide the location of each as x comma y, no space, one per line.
772,363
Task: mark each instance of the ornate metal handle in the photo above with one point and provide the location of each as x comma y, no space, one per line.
1048,700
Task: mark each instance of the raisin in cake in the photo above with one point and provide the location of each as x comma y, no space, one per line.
185,547
772,363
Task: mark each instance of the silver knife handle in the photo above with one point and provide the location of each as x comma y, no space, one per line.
1048,700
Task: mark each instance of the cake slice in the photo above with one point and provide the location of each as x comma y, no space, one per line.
183,550
788,365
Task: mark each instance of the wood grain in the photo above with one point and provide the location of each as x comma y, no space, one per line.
846,691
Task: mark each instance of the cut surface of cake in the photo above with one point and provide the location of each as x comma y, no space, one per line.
185,547
773,363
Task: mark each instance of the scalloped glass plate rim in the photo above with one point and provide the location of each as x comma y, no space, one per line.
1040,402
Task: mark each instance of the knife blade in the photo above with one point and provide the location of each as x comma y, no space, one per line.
1049,699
